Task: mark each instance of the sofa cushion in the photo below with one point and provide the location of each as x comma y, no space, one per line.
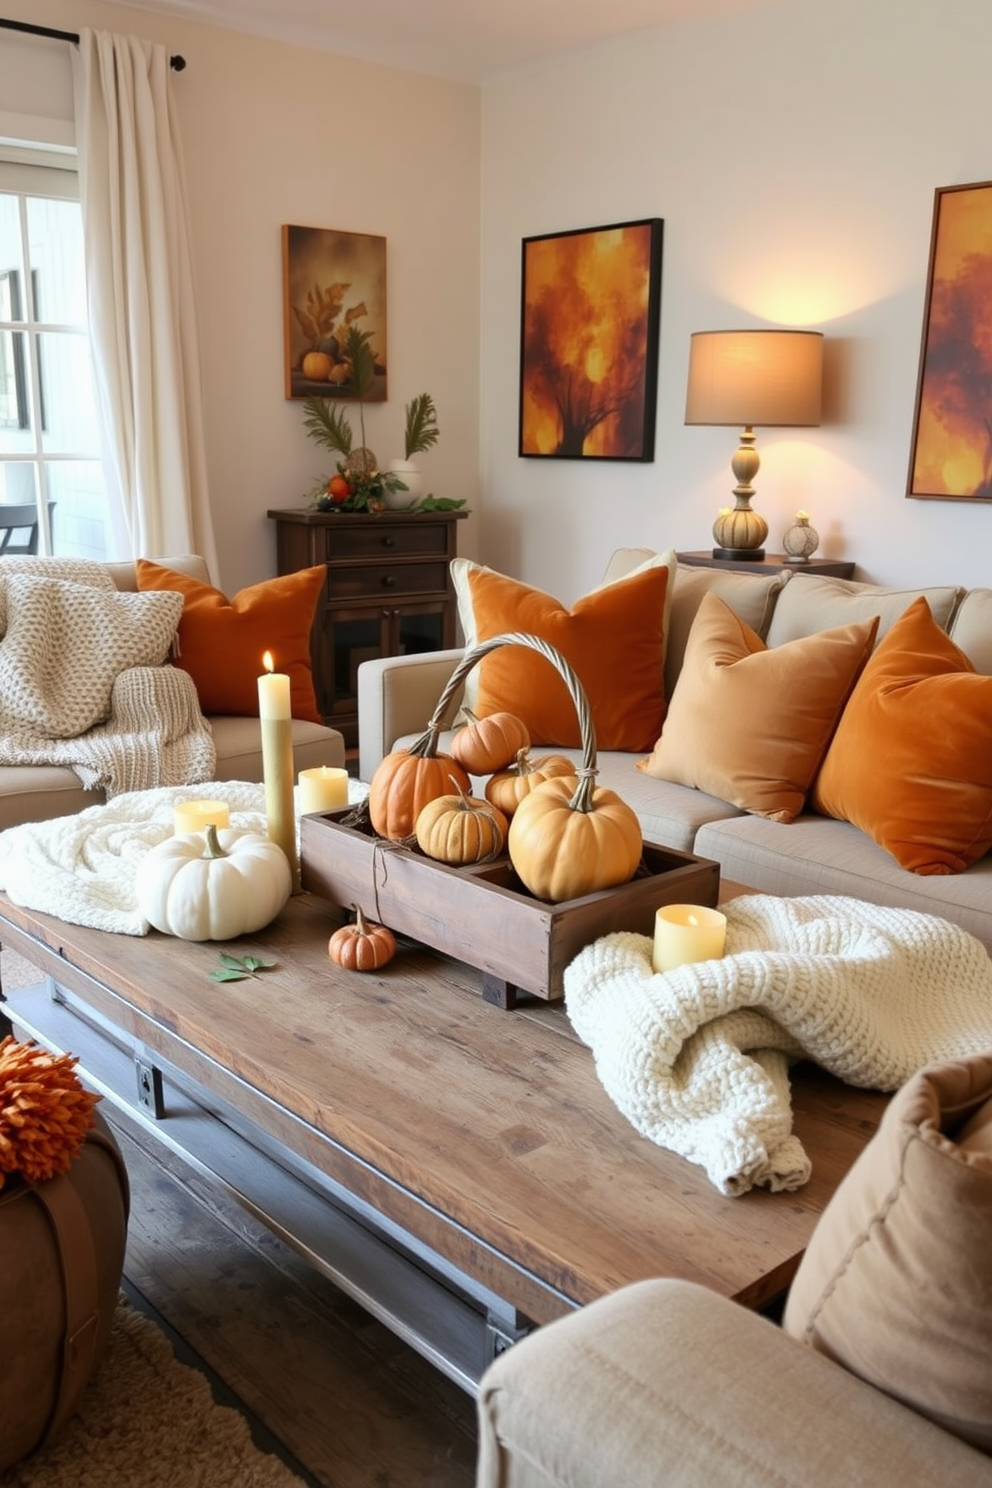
972,629
911,761
896,1284
815,602
752,597
613,639
222,641
750,724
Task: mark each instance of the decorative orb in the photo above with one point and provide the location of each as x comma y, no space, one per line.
801,541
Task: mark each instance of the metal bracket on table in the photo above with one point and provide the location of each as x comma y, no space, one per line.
502,1333
150,1094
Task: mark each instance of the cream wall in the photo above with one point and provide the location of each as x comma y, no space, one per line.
793,154
275,134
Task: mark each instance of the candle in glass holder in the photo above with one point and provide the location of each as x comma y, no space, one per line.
196,816
323,789
275,715
685,933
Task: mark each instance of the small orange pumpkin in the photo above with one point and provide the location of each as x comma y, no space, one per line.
461,829
363,946
490,743
568,840
507,788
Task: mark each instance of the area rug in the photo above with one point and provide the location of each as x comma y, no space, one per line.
148,1421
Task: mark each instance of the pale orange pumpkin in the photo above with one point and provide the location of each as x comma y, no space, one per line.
363,946
316,366
487,744
461,829
567,840
507,788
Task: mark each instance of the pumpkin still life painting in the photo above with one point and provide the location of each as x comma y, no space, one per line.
333,283
951,455
590,308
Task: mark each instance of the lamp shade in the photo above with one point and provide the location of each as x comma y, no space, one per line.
755,378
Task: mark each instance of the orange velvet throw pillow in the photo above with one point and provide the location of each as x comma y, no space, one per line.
911,762
750,724
222,641
614,640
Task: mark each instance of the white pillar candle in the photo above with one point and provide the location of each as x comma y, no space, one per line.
275,714
687,932
196,816
323,789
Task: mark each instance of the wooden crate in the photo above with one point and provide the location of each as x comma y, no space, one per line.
483,915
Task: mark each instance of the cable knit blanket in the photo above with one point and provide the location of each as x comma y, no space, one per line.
82,684
697,1058
82,868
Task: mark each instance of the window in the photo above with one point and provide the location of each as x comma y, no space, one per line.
49,435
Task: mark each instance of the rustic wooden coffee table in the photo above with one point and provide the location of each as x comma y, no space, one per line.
455,1166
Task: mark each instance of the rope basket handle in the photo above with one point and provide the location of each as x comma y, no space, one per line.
426,745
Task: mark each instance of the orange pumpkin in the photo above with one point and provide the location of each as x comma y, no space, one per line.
487,744
566,840
404,782
363,946
461,829
507,788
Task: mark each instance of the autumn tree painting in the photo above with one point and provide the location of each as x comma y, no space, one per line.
952,438
589,342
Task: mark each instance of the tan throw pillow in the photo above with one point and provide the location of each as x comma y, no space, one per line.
896,1284
911,762
751,724
752,597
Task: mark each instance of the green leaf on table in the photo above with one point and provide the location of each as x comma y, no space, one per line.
237,968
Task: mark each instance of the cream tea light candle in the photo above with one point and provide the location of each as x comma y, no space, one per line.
323,789
196,816
685,933
275,716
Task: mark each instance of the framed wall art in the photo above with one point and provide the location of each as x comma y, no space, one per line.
331,282
951,455
590,311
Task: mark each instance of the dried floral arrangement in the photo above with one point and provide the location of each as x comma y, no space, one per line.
44,1112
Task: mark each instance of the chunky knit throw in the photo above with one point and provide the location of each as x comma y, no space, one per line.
697,1058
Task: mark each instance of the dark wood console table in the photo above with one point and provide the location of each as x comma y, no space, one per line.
456,1168
771,563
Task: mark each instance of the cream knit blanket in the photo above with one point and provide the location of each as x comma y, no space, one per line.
697,1058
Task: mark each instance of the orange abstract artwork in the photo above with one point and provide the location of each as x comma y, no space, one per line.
952,437
589,342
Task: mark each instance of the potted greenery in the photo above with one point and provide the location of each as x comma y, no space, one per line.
420,433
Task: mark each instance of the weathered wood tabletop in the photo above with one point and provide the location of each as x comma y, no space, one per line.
485,1132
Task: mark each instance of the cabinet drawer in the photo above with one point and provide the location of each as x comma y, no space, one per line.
387,541
376,579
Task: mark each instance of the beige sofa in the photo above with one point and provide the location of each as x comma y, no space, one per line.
881,1373
41,792
814,854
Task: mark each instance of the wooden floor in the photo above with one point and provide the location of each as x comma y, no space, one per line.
352,1405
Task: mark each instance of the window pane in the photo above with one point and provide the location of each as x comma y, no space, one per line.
68,415
79,526
14,412
55,246
10,253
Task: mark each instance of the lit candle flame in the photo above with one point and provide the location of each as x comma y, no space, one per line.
692,919
267,662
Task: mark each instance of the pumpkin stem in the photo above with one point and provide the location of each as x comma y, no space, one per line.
213,848
361,924
582,797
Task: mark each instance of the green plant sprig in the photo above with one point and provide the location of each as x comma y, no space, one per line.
328,424
237,968
422,432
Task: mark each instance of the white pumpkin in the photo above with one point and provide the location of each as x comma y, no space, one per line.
213,887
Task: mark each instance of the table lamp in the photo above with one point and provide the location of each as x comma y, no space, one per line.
747,378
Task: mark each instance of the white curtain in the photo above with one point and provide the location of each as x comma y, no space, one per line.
140,295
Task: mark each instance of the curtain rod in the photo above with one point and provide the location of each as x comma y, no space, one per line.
176,63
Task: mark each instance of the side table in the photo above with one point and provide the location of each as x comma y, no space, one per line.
771,563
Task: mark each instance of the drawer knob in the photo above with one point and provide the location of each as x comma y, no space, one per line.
389,580
388,541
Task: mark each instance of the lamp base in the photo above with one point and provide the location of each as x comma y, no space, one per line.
742,555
